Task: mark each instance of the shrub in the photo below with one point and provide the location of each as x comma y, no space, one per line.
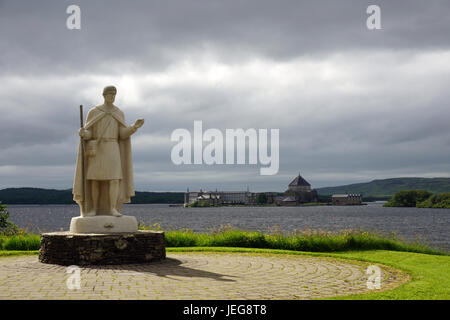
408,198
194,204
6,226
261,198
441,200
201,203
20,242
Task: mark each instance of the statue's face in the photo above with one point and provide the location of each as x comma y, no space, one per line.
110,97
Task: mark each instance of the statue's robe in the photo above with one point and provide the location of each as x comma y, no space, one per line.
112,160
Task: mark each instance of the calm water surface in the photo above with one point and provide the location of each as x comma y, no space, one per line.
429,225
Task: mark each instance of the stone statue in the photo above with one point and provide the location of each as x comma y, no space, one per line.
108,171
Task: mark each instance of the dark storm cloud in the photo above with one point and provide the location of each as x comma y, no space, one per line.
351,104
153,34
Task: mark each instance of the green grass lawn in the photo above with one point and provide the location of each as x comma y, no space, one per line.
430,273
7,253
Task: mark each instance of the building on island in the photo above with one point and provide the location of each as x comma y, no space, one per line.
289,201
299,191
218,197
346,199
299,184
227,197
210,197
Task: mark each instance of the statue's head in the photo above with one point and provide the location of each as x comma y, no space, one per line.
109,93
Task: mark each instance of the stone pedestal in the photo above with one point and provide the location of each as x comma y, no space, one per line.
103,224
66,248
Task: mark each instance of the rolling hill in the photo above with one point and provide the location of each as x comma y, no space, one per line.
386,188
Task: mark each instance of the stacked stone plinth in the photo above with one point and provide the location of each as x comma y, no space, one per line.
66,248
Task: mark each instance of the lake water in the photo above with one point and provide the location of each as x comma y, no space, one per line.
429,225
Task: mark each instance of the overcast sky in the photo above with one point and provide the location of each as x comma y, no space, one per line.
351,104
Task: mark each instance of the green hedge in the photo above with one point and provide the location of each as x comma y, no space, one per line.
408,198
312,241
441,200
20,242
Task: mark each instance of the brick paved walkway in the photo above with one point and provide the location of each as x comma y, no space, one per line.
194,276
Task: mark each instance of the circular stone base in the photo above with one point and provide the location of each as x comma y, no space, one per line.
65,248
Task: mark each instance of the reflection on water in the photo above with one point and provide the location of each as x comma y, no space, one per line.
430,225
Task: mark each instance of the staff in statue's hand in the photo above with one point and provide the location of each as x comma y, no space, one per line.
82,159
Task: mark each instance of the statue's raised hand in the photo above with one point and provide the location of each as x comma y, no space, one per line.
138,123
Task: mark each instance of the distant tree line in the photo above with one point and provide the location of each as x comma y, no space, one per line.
158,197
419,199
52,196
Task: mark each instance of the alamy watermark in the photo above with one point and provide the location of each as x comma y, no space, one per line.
373,22
73,21
74,280
374,279
213,152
